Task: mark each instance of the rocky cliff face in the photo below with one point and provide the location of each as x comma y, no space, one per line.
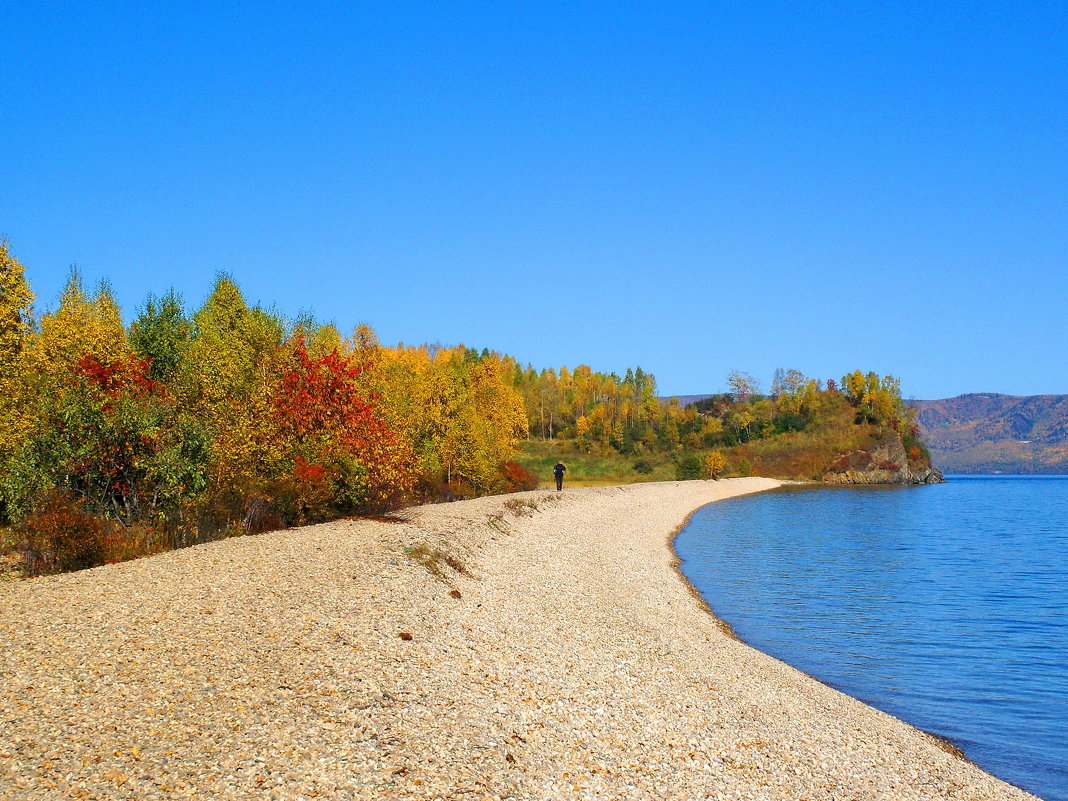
885,463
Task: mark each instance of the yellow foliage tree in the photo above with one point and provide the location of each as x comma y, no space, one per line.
226,379
457,409
16,321
81,326
715,464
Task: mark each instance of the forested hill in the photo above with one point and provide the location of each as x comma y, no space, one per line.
990,433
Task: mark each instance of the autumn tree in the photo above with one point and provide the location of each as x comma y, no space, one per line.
104,431
16,310
715,464
742,420
474,418
83,325
459,410
109,437
743,386
343,455
52,391
853,386
16,324
787,382
548,404
878,400
161,333
230,367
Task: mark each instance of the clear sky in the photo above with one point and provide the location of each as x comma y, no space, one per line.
692,188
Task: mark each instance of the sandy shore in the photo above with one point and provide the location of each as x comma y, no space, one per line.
513,652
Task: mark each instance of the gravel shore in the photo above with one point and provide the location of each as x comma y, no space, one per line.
530,646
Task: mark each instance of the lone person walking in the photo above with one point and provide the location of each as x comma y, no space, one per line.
558,471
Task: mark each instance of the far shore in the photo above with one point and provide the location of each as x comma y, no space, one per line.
540,645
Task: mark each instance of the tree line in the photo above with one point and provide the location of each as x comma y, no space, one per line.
603,411
187,425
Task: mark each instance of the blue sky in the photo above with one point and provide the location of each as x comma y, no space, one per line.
693,188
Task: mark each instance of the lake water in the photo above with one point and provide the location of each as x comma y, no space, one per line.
943,605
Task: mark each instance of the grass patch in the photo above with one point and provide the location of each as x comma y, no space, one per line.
497,522
521,507
437,562
596,468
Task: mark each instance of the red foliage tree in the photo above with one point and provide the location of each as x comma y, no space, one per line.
129,375
337,434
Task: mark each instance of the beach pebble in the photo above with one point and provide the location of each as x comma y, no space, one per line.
325,662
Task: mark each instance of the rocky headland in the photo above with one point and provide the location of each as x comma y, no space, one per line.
886,462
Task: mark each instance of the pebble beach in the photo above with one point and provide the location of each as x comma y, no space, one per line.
540,645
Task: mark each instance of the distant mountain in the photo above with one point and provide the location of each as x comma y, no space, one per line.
990,433
684,400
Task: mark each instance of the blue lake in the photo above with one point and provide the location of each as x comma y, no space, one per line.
943,605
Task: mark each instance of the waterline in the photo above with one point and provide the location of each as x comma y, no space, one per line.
942,605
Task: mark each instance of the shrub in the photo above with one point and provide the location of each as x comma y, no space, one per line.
918,454
688,468
241,508
517,478
643,467
60,535
789,421
137,540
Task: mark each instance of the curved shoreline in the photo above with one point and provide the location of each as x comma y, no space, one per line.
676,565
529,646
729,630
